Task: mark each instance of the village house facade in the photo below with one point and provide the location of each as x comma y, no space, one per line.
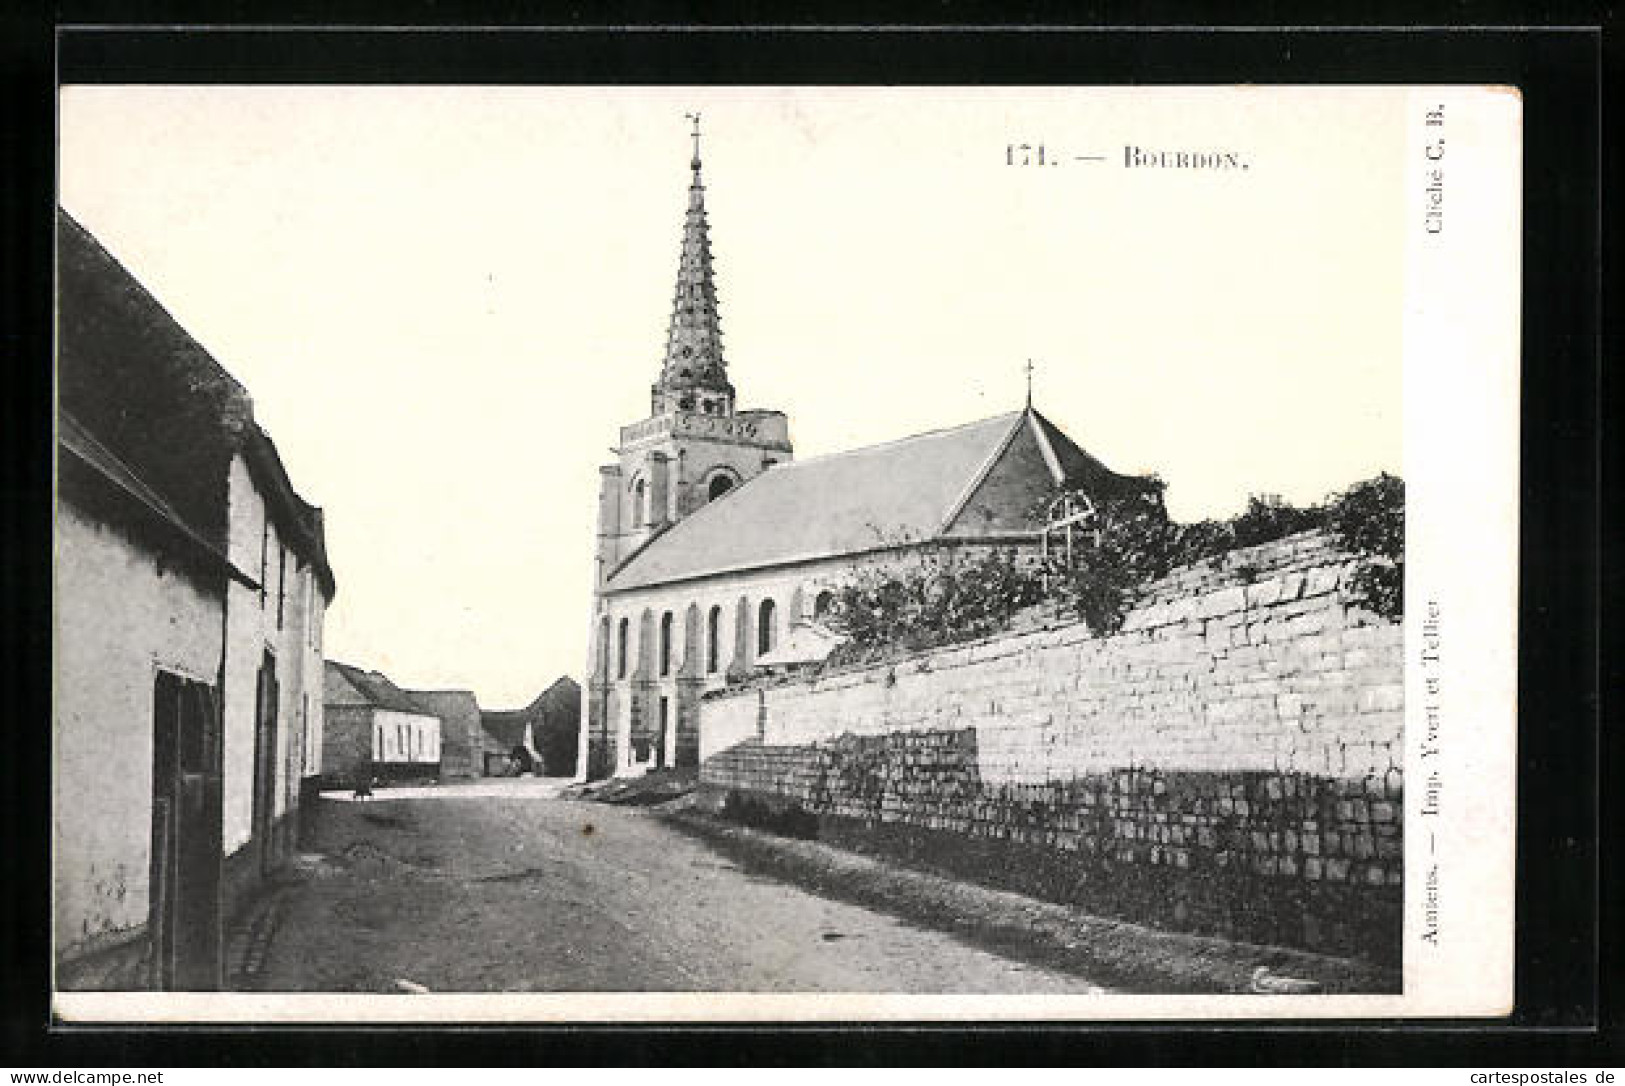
374,730
191,584
546,730
717,552
462,740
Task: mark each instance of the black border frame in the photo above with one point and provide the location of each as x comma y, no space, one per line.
1561,1015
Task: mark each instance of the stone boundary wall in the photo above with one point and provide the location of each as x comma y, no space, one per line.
1231,761
1256,661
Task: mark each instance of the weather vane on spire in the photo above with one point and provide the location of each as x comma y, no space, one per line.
1029,383
695,117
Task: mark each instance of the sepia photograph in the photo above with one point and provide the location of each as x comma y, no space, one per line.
564,553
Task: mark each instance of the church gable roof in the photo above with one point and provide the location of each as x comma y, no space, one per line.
1003,496
1036,459
844,503
982,478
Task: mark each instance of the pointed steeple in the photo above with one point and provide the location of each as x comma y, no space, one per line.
694,376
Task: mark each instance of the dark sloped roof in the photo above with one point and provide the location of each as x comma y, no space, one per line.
559,704
155,400
122,479
456,707
149,393
303,525
902,492
378,690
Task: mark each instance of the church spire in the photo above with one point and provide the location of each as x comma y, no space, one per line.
694,376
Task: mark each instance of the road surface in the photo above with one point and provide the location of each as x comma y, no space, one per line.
513,889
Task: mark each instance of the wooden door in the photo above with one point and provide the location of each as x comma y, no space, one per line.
184,885
264,822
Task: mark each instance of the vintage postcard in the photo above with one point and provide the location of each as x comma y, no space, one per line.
640,554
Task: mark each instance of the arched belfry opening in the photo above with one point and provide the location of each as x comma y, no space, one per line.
719,486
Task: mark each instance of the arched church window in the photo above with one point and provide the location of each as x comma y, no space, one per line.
603,648
719,486
767,632
620,648
665,643
639,510
713,640
822,603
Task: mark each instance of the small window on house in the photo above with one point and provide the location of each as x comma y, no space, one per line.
665,643
719,486
620,650
713,640
767,635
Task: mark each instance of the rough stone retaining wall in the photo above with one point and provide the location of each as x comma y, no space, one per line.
1229,762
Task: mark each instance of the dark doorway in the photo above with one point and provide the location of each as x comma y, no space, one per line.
183,897
660,740
264,823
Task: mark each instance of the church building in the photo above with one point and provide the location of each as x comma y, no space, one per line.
717,552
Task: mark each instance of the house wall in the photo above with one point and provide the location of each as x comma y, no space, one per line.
106,661
405,737
461,737
460,748
1232,760
292,635
346,743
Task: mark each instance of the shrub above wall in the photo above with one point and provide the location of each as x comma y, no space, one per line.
936,600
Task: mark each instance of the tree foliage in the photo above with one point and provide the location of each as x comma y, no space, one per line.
939,598
1368,519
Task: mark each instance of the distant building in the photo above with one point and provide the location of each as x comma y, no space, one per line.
375,730
551,721
462,741
716,554
191,583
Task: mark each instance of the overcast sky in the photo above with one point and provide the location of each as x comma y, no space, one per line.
445,301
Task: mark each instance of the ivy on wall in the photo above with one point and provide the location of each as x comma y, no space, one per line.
936,600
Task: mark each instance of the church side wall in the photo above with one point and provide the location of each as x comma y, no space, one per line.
621,730
1231,761
621,721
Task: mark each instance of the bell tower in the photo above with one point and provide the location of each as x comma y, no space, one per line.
696,444
694,376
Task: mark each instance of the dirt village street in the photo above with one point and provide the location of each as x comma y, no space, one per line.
506,886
